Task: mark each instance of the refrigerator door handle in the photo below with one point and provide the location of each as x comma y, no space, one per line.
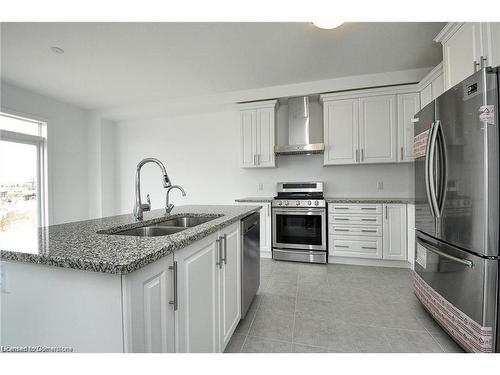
443,178
426,172
430,247
431,171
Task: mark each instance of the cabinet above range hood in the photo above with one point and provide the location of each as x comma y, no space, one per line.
304,136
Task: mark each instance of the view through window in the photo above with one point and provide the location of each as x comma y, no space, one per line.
22,180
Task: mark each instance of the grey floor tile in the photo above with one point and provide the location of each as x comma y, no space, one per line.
273,325
402,341
447,343
235,344
262,345
289,278
299,348
276,286
321,333
371,339
277,303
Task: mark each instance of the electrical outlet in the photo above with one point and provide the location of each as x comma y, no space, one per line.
261,186
380,185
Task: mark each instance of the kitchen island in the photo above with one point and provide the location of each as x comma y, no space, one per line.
92,289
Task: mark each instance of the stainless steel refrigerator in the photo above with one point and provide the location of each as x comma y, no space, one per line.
456,149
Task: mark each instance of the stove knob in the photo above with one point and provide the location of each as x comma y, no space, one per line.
308,203
297,203
280,203
286,203
316,203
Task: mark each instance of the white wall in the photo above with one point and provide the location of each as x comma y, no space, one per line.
201,153
68,151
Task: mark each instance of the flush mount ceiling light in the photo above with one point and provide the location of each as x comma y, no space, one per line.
327,24
57,50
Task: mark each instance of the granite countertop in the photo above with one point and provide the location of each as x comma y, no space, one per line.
78,245
369,200
255,199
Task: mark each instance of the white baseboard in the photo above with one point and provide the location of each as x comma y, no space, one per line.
368,262
266,254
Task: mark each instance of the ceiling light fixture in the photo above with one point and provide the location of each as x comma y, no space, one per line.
327,24
57,50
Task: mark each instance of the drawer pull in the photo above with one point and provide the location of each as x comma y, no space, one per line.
341,208
368,231
341,230
368,208
369,247
344,246
368,219
339,218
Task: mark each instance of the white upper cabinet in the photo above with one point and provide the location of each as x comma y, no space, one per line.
431,86
368,126
408,106
467,47
257,134
377,131
341,131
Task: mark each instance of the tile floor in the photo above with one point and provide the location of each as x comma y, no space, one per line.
309,308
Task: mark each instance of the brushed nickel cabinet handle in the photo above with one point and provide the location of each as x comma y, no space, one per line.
368,208
175,301
341,230
343,246
362,154
402,153
386,213
357,155
368,231
368,219
219,257
369,247
225,248
340,218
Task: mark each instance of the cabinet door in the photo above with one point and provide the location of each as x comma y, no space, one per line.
265,227
395,229
265,137
408,106
491,42
148,316
230,283
377,130
197,316
426,95
460,52
248,136
340,128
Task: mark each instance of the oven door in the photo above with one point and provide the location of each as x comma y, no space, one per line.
299,228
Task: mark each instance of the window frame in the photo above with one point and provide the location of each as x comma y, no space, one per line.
40,142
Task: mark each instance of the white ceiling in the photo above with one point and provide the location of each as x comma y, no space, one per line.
117,64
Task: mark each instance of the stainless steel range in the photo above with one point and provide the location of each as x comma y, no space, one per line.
299,222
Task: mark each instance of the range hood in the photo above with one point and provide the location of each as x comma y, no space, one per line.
303,137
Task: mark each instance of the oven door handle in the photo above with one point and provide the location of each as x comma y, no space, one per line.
295,211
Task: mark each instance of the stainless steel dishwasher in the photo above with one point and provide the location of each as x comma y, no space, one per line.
250,260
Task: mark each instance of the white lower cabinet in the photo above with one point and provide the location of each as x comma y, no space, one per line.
230,283
208,282
395,229
370,231
187,302
148,315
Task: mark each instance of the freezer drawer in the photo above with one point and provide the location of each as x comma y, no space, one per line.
459,289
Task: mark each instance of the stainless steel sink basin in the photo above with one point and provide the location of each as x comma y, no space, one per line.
167,227
186,221
150,231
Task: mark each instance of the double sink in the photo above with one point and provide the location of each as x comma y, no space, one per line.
167,227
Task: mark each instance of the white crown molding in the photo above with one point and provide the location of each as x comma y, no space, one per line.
448,31
433,74
351,94
258,104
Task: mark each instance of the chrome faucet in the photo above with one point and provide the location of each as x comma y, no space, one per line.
169,206
139,207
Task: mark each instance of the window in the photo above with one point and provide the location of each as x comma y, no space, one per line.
22,182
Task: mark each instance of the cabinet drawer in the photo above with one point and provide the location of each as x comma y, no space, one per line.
355,220
338,208
360,247
345,230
